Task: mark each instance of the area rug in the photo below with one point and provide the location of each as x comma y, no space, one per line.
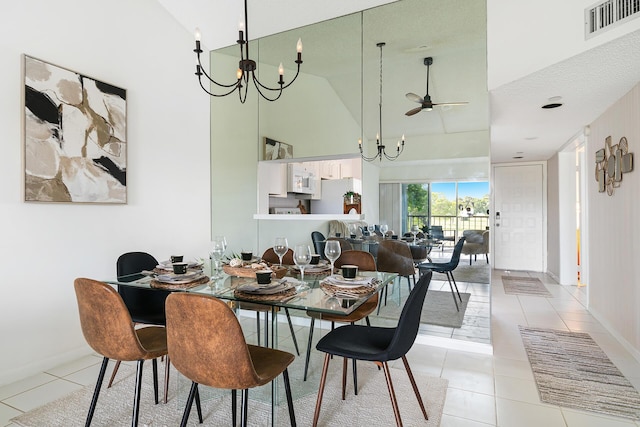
476,273
438,309
370,407
571,370
531,286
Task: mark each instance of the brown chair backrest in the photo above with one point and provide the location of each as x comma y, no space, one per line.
105,321
271,257
344,244
206,343
364,260
395,257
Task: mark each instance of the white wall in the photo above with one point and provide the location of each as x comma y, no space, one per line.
614,232
539,34
136,46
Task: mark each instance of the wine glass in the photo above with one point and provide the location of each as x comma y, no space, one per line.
302,258
332,251
415,230
281,247
218,247
383,229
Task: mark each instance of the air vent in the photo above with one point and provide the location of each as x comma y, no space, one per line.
609,13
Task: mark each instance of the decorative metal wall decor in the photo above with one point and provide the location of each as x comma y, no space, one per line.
75,136
611,162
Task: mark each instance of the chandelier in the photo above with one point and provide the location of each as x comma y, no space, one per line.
379,144
246,69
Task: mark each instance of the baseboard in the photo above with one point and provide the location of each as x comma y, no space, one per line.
635,353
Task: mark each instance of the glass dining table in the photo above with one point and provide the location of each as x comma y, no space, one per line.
309,295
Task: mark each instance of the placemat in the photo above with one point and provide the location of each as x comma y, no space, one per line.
161,285
271,297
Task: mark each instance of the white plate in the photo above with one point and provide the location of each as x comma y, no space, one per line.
179,278
338,280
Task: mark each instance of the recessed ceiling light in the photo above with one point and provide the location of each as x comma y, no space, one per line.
554,102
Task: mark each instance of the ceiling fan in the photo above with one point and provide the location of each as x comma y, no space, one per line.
426,103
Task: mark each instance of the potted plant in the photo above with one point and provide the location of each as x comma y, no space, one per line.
351,197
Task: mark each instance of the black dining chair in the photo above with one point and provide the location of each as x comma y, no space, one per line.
379,345
146,306
318,240
447,268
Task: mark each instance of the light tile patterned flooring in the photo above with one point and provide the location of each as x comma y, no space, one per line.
484,390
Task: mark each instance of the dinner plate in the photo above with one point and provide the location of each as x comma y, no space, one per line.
338,280
179,278
274,287
167,265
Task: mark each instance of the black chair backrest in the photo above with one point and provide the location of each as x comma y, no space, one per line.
318,240
455,256
436,232
409,321
145,305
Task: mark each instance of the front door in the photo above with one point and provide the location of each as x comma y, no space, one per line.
518,217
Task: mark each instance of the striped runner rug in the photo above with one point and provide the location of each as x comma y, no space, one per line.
572,371
531,286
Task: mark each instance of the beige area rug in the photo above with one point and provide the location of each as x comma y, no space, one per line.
371,407
571,370
438,309
530,286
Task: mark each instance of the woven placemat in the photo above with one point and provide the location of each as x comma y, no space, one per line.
270,297
360,290
161,285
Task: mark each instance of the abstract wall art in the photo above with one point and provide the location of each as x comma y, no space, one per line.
612,162
75,137
274,150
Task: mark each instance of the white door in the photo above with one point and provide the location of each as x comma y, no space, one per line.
518,217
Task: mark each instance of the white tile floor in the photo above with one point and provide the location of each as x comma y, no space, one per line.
484,390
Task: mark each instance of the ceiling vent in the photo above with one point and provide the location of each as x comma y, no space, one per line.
609,13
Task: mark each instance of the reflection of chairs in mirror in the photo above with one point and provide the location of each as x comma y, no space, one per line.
395,256
476,243
109,330
447,268
198,328
271,257
365,262
379,345
318,240
146,306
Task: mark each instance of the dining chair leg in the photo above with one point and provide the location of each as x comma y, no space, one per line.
293,334
355,377
344,377
415,387
392,394
287,390
189,404
455,285
455,300
234,407
113,374
167,368
154,364
96,392
323,380
266,328
306,361
258,326
198,405
136,397
244,404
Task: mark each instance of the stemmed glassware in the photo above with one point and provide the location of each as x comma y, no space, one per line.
218,248
415,230
302,258
281,247
332,251
383,229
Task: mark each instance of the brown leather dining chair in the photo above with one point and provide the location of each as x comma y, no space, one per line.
395,256
365,262
108,329
206,345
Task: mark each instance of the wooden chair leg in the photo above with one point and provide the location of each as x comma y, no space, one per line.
415,387
96,392
306,361
113,374
323,380
392,394
287,389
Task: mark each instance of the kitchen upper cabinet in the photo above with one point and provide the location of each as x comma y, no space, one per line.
273,176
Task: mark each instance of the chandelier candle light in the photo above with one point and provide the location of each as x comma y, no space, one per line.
246,69
379,144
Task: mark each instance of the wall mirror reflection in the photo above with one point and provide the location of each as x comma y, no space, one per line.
335,101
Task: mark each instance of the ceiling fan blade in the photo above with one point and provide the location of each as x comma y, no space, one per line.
445,104
414,111
415,98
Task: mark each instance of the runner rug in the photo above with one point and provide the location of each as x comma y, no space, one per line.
371,407
572,371
514,285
